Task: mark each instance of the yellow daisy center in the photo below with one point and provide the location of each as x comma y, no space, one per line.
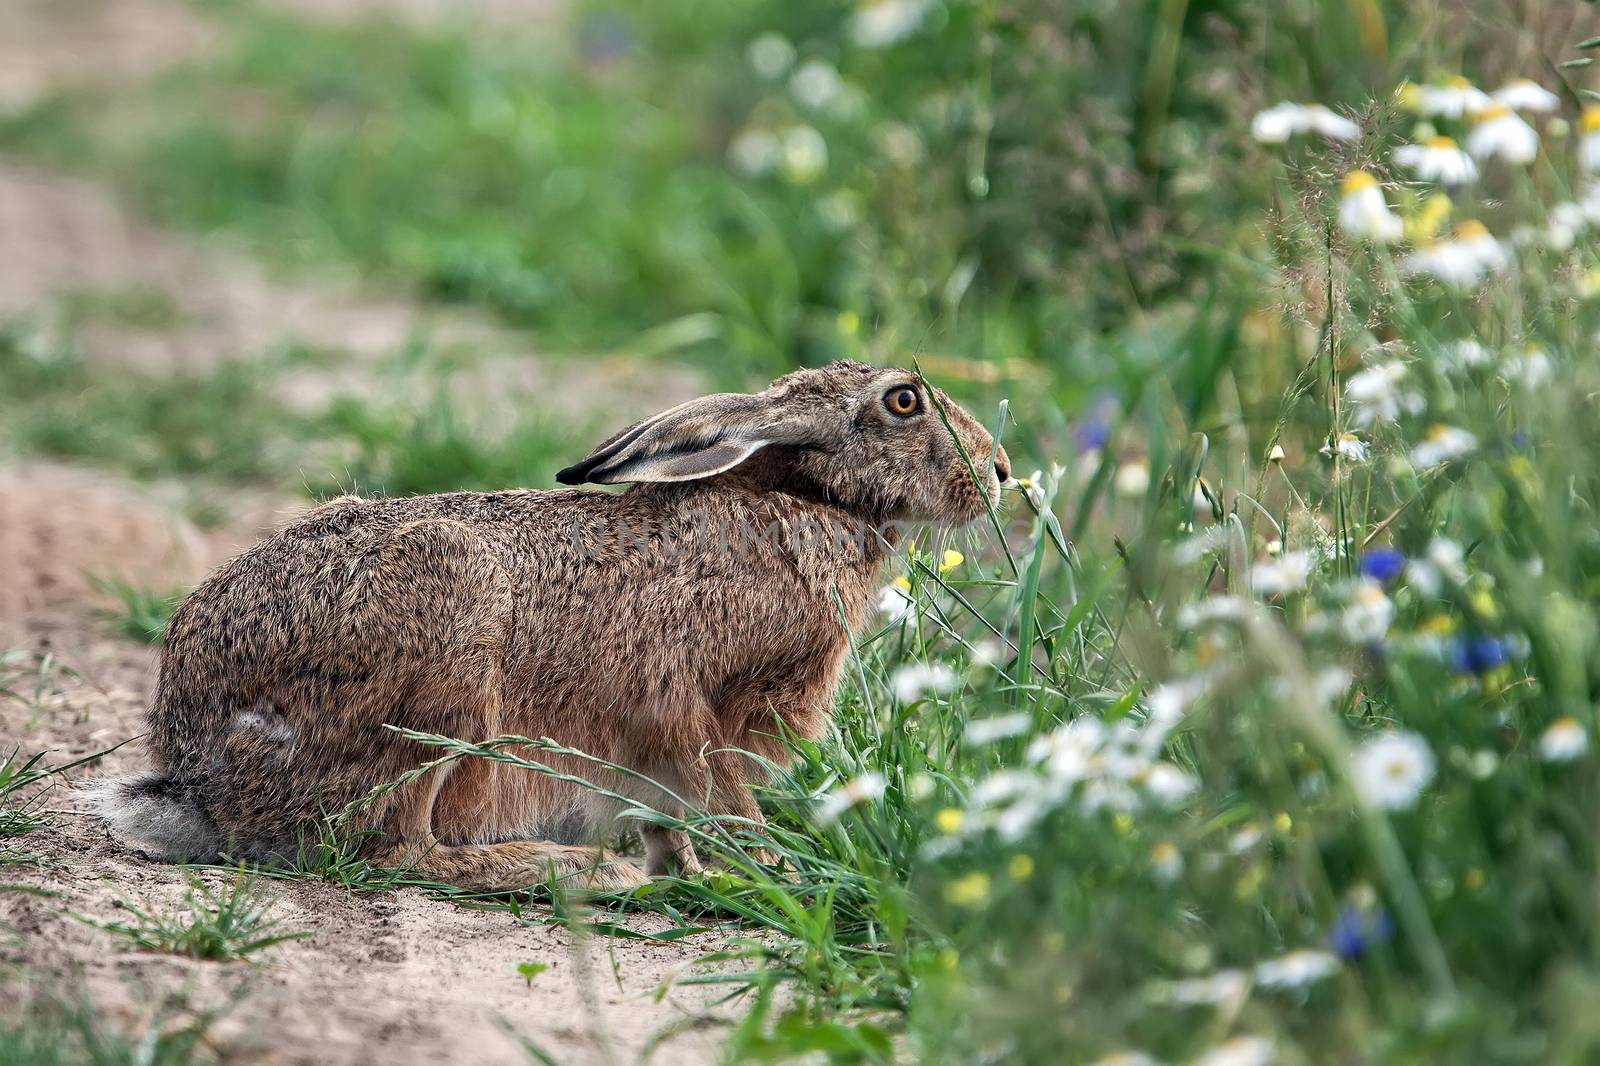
1439,143
1357,180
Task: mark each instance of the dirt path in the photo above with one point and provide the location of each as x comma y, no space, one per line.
47,45
386,977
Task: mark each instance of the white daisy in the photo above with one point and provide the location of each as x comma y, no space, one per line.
1365,620
1564,741
1165,705
815,84
1391,769
1378,394
1500,131
1441,445
1224,986
1278,123
1132,478
1287,573
805,154
770,55
1001,787
988,730
754,152
857,790
1068,752
1529,367
910,682
1474,238
1589,138
1461,262
1437,159
1240,1051
880,23
1166,861
1347,446
1213,609
1526,95
894,602
1167,785
1330,124
1297,969
1565,221
1445,560
1248,836
1467,354
1453,99
1363,212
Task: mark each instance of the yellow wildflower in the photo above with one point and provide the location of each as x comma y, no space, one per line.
971,890
1428,221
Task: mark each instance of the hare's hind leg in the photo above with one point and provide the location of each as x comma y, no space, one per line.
437,596
517,864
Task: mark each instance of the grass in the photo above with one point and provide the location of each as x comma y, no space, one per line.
19,800
65,1030
229,425
29,678
142,613
223,923
24,782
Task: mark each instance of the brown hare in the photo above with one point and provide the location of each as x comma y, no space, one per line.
668,629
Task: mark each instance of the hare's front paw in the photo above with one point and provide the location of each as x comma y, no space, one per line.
669,851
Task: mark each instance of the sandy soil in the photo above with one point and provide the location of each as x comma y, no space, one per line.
386,977
47,45
52,44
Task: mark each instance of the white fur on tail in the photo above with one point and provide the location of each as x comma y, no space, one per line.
149,813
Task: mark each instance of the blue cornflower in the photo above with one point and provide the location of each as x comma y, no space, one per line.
1093,435
1355,931
1383,564
1477,655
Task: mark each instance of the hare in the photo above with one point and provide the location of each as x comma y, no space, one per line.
670,629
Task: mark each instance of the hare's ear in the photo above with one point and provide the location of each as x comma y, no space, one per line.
693,440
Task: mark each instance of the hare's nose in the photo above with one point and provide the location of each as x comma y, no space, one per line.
1002,465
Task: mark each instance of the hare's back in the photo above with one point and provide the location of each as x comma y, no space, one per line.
352,600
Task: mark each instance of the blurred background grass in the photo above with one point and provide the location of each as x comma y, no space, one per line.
1043,199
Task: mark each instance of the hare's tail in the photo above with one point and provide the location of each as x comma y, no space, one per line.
152,813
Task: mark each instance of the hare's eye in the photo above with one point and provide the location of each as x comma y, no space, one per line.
902,400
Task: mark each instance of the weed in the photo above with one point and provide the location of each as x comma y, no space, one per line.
30,678
19,801
529,970
68,1030
142,613
231,921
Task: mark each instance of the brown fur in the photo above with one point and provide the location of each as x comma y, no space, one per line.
640,627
